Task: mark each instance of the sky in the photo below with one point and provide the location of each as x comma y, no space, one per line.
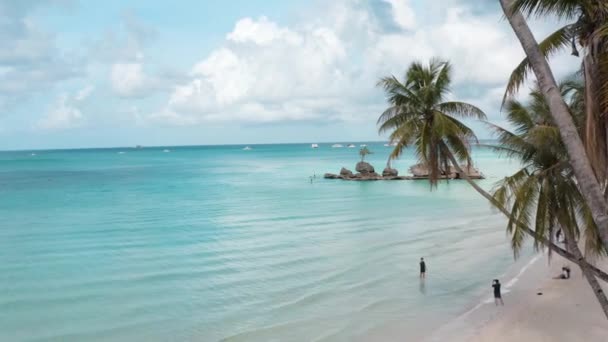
141,72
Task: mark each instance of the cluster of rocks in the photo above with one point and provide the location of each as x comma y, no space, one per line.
366,171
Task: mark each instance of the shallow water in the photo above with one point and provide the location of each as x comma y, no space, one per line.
211,243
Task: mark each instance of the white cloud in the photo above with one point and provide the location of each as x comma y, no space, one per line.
30,60
403,13
128,79
66,112
335,60
260,82
481,51
261,32
322,68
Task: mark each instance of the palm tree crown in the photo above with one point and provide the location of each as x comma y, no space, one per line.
420,116
588,29
543,193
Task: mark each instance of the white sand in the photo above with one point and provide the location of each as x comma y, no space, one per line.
566,311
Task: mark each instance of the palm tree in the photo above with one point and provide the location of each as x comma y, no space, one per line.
588,29
581,166
420,116
544,192
363,152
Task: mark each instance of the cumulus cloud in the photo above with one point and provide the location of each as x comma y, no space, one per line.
266,73
326,68
66,112
121,53
30,61
261,32
128,79
403,13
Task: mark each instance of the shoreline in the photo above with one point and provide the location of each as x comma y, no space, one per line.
537,308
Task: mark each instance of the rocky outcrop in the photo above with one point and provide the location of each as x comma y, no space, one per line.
390,172
366,172
364,168
344,172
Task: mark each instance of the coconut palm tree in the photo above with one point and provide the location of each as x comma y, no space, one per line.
544,193
586,179
588,28
419,115
363,152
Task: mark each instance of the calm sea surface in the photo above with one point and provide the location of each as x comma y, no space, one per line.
212,243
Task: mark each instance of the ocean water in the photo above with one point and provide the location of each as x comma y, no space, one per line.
218,243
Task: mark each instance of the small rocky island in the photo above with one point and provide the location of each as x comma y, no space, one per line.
366,172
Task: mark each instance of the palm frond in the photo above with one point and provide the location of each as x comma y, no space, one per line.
462,109
554,43
567,9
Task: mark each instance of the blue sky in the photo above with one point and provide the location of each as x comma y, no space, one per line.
120,73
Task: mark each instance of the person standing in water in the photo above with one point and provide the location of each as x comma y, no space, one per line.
422,269
497,294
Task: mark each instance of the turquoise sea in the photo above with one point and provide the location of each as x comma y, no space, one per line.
216,243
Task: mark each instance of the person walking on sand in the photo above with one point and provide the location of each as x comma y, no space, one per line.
422,269
497,295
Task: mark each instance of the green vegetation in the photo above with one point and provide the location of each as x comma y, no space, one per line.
560,135
363,152
419,116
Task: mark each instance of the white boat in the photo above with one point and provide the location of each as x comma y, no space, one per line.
314,146
33,154
336,145
394,144
166,150
121,152
351,146
386,145
247,148
362,145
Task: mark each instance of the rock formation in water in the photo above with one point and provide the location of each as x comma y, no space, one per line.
364,168
365,172
390,172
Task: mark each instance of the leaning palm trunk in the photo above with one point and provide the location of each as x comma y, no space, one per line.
587,271
585,176
575,255
579,260
595,123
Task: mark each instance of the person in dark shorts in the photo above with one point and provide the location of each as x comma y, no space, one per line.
497,294
422,268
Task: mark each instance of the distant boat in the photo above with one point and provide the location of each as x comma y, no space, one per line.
351,146
121,152
336,145
33,154
362,145
138,146
314,146
386,145
394,144
166,151
247,148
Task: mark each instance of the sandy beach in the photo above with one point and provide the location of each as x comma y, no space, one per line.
537,308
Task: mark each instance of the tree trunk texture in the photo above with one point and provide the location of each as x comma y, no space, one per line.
595,124
587,272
